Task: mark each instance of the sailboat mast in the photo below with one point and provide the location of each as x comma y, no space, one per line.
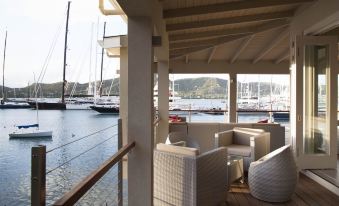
3,72
65,56
102,59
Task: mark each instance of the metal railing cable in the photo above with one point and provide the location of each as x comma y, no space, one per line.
97,184
64,163
81,138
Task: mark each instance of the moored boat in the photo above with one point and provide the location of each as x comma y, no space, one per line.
214,111
281,115
14,105
106,109
48,105
28,131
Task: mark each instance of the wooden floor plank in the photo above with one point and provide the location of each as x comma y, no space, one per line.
313,192
326,196
308,193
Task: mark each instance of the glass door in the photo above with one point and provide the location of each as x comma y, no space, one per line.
317,56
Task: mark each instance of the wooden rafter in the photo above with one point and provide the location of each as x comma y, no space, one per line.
211,54
241,48
272,44
227,32
231,20
181,52
184,49
284,56
207,42
225,7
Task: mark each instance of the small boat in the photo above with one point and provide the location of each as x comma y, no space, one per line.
26,131
214,111
106,109
14,105
48,105
4,103
281,115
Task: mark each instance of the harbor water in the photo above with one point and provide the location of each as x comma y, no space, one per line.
68,125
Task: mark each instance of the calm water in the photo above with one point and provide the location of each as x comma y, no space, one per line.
15,154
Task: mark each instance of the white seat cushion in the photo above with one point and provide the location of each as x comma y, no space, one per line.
241,150
187,151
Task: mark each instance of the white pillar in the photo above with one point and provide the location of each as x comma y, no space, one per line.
123,91
140,118
163,100
232,97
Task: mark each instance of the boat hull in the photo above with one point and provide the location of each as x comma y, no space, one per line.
30,134
281,115
105,110
14,106
48,105
78,106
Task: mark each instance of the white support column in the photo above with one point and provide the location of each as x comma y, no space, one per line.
232,98
123,90
140,117
163,105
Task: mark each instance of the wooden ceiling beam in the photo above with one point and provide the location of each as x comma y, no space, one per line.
184,51
211,54
241,48
225,7
209,34
216,40
195,46
272,44
230,20
284,56
206,42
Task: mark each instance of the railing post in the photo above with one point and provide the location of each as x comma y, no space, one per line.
189,113
38,176
120,166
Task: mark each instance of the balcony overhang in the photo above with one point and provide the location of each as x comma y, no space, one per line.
113,44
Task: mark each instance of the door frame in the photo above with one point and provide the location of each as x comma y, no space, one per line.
317,161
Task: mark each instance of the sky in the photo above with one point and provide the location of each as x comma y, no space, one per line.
32,26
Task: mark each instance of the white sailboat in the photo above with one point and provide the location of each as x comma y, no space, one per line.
31,130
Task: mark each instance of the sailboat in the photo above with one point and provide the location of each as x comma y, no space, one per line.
6,104
57,105
31,130
104,106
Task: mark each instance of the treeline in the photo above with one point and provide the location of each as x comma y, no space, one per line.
204,87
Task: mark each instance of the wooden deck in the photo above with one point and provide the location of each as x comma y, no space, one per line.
307,192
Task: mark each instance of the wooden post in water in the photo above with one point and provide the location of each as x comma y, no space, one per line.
120,166
38,176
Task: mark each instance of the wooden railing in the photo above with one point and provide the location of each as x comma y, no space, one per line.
38,171
81,188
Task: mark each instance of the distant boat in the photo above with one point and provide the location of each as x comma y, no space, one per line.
48,105
4,104
214,111
26,131
106,109
57,105
14,105
79,104
281,115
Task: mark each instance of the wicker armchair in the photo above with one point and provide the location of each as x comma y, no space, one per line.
184,178
249,143
273,178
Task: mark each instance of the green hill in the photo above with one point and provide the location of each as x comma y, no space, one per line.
204,87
